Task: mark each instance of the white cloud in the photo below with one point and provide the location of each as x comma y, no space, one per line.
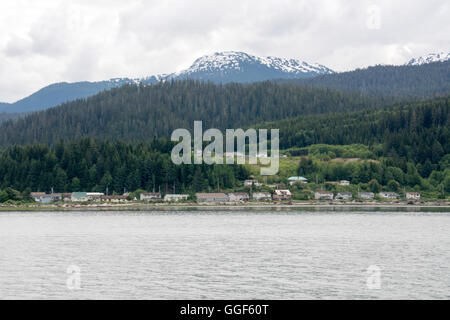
55,40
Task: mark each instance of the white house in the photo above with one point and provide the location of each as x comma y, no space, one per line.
323,195
175,197
262,196
249,183
238,196
412,195
150,196
344,196
344,183
366,195
388,195
37,196
282,195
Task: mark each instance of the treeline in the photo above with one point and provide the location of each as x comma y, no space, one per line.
424,81
9,116
382,174
139,113
416,132
88,165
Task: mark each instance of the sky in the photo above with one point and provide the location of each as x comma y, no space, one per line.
48,41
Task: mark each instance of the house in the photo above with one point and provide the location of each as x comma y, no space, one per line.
249,183
344,183
323,195
46,198
366,195
37,196
212,197
412,195
151,196
79,197
238,196
282,195
175,197
116,199
94,196
66,197
262,196
56,197
344,196
294,180
388,195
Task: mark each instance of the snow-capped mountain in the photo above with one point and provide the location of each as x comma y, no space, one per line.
232,66
219,67
432,57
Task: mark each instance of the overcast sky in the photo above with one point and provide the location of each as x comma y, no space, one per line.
47,41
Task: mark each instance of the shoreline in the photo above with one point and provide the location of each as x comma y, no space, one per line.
307,205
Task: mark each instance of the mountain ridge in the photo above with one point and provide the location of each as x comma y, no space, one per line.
220,67
430,58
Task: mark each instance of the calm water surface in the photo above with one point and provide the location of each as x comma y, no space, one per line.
224,255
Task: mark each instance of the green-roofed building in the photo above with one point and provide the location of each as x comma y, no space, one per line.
294,180
79,197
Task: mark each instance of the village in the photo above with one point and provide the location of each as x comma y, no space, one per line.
275,195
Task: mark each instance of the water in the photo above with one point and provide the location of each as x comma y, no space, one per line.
224,255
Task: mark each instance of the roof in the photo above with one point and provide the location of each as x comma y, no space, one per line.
297,179
79,194
37,193
244,194
114,197
345,193
211,195
151,193
283,192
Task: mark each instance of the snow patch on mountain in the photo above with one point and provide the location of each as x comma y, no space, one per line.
232,62
432,57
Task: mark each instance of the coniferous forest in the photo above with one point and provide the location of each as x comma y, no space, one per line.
119,141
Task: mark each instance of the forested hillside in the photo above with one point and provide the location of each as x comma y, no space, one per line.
138,113
416,132
404,145
421,81
114,166
10,116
